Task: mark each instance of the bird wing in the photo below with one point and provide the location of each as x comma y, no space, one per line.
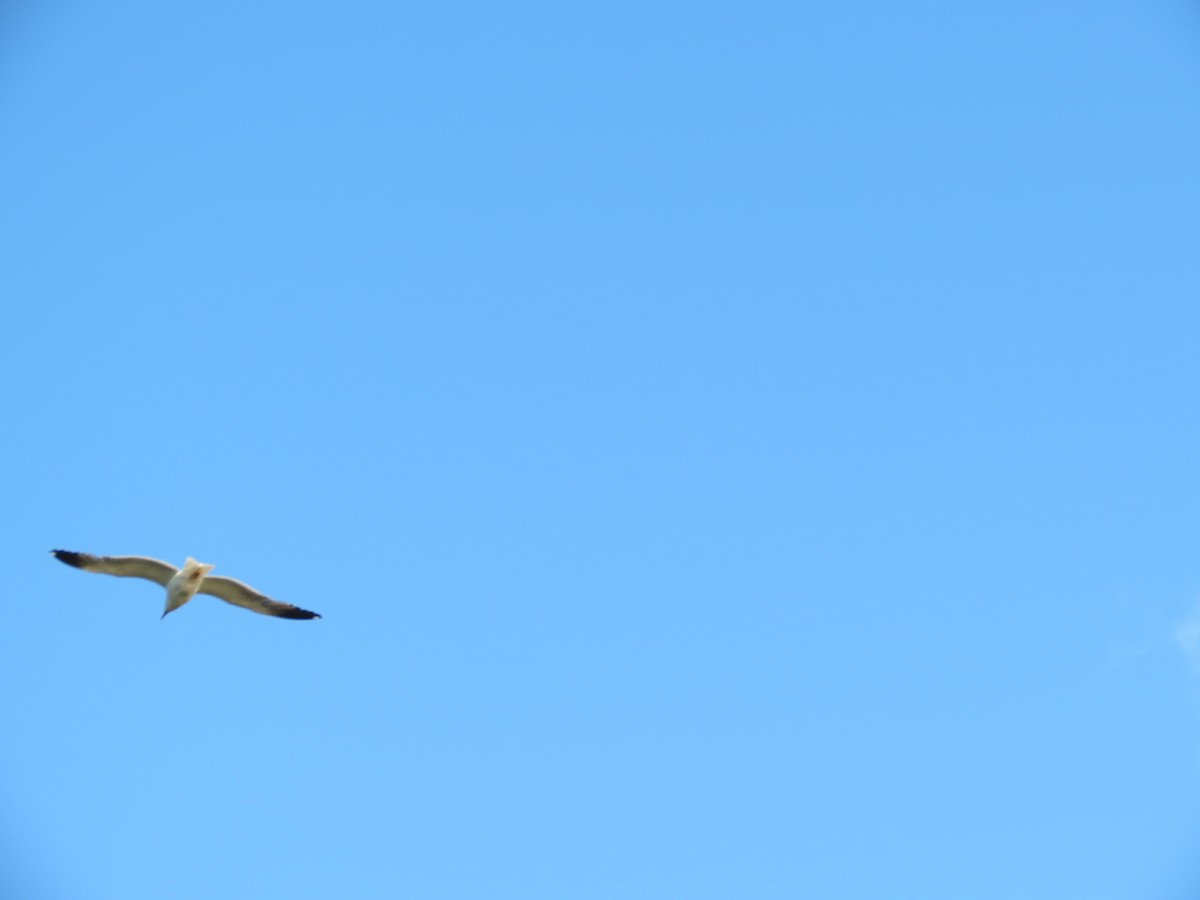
232,591
124,566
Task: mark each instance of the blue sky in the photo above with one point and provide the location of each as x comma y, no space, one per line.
738,450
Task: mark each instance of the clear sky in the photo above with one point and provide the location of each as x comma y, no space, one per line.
739,450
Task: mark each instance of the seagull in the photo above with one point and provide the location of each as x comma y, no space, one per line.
183,584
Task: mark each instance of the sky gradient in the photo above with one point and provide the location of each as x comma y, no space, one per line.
738,450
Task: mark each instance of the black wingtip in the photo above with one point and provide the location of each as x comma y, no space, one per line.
298,614
70,558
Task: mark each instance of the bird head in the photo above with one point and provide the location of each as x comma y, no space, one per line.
194,571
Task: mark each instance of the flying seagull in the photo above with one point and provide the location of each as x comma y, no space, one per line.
183,584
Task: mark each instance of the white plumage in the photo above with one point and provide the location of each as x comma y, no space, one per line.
184,583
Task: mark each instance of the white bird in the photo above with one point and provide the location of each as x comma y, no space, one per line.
183,584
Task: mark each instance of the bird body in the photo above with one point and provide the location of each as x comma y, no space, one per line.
184,583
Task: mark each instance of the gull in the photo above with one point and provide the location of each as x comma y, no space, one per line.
183,584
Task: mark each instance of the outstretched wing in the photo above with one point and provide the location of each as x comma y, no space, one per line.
238,594
124,566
